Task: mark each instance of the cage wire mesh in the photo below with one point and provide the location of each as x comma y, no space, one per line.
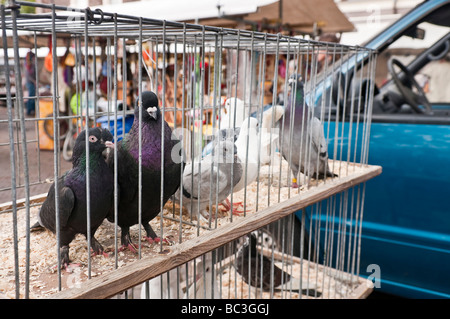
260,120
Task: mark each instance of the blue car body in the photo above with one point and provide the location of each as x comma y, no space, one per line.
406,225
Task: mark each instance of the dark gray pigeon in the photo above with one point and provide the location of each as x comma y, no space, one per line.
200,184
310,155
72,193
260,275
128,169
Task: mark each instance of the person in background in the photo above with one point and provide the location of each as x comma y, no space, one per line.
30,77
324,55
78,101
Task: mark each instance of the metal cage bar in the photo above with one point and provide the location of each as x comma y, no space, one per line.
216,87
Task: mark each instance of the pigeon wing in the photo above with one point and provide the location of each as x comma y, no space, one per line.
317,136
66,203
203,177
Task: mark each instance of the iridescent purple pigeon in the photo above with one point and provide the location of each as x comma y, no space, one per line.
128,170
72,193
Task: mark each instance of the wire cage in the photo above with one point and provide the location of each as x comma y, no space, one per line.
259,193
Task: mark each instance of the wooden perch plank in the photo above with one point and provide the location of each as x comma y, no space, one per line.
21,202
144,269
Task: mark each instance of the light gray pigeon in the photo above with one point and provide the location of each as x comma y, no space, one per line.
210,178
304,146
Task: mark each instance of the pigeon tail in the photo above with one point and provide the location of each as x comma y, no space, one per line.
37,227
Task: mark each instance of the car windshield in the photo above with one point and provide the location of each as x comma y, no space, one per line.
414,41
406,49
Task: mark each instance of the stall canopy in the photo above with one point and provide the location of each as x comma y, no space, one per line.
304,17
296,17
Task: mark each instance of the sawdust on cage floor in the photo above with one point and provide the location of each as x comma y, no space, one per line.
43,257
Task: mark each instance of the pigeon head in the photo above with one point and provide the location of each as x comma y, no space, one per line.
296,86
250,124
99,139
295,78
150,107
228,133
225,151
205,268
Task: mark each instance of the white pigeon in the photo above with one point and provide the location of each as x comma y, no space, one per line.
171,285
275,112
248,138
269,134
205,280
227,113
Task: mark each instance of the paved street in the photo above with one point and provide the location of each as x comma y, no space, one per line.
40,162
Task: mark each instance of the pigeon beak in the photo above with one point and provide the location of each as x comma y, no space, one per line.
109,144
152,111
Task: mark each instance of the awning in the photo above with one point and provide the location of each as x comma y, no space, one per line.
301,16
306,16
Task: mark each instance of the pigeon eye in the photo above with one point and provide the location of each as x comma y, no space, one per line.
93,139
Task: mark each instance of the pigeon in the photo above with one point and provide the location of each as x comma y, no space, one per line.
206,286
248,138
213,176
265,239
171,285
233,106
273,113
128,170
221,135
72,193
269,135
310,154
260,275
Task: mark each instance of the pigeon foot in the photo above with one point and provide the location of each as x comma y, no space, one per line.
98,253
131,247
239,212
167,240
235,210
97,248
233,207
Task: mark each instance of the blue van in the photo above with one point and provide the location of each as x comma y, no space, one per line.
406,225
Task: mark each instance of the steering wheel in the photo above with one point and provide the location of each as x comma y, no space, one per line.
413,99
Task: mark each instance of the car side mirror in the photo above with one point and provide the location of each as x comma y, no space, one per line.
416,33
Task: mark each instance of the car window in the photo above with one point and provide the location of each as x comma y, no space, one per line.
434,76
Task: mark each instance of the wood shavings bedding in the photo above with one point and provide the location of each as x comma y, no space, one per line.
43,256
